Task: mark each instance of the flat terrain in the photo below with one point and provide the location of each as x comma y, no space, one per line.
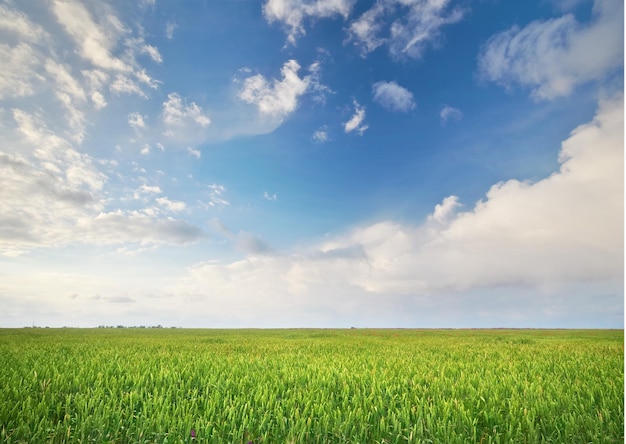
311,386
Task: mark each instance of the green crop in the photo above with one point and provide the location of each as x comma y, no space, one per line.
311,386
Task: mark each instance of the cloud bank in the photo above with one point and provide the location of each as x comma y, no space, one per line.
545,235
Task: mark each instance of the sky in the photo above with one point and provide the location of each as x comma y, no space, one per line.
312,163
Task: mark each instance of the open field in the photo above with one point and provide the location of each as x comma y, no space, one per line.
311,386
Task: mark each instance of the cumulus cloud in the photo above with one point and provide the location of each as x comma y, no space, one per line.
356,121
135,120
176,113
449,112
406,27
566,228
292,13
552,57
393,97
278,98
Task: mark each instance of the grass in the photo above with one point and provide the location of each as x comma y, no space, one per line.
311,386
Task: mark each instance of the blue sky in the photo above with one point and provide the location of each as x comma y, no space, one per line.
312,163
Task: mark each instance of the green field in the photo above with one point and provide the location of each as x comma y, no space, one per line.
311,386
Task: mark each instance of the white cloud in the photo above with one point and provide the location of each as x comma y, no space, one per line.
135,227
215,195
153,52
96,40
552,57
123,84
407,27
194,152
170,27
98,100
292,13
356,121
64,81
445,211
543,236
146,190
52,195
19,25
174,206
144,78
279,98
19,75
393,96
135,120
77,63
270,197
449,112
321,136
178,114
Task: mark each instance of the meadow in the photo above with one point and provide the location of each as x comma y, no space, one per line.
311,386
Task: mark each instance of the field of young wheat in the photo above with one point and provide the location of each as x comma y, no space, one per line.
311,386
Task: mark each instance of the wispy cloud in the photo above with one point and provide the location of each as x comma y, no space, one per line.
216,198
449,112
356,121
321,135
292,13
135,120
194,152
271,197
393,97
406,27
177,113
554,56
153,52
170,27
